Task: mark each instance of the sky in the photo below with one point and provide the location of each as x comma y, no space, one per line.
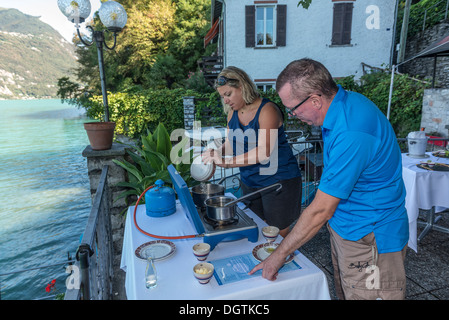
49,12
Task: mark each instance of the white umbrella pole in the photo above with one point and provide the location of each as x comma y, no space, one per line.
391,91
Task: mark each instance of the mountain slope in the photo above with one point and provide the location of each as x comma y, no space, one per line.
33,56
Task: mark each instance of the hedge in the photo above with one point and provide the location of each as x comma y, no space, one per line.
136,112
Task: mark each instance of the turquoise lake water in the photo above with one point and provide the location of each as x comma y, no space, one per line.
44,193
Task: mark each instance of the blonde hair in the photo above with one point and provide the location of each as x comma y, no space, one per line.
244,82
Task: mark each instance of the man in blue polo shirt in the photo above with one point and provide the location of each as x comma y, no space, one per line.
361,193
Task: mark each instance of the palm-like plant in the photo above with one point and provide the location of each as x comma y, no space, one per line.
151,160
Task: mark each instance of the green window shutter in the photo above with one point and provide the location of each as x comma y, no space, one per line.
281,24
347,23
250,26
342,23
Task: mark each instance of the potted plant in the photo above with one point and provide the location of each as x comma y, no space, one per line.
100,133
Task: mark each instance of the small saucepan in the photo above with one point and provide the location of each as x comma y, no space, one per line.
222,208
204,191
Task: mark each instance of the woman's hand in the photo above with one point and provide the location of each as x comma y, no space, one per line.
213,156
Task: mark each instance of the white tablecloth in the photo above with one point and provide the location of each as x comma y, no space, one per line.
175,274
425,189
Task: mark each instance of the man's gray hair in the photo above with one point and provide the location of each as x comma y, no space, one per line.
307,77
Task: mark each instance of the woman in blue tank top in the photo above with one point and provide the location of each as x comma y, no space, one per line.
257,144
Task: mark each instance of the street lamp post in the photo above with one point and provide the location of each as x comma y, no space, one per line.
114,18
98,38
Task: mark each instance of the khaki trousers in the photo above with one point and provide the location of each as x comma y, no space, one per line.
362,274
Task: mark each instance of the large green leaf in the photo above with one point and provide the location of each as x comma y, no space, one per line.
130,168
155,159
162,137
149,180
145,167
136,186
148,152
127,193
149,142
165,176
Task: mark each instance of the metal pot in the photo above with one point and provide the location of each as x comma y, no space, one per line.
222,208
217,210
204,191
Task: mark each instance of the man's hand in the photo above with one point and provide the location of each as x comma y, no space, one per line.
270,266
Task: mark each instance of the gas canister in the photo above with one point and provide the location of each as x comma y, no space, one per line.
160,201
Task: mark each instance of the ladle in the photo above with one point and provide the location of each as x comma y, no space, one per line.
253,193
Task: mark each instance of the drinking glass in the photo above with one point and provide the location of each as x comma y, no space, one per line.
150,274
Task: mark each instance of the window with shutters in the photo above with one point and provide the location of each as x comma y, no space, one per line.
341,27
265,25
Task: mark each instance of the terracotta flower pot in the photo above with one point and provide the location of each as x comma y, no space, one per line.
100,134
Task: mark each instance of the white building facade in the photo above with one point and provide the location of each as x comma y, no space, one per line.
262,37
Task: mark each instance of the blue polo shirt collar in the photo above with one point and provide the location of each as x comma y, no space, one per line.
332,114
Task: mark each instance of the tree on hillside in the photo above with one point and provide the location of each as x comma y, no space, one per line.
159,46
165,72
145,37
192,21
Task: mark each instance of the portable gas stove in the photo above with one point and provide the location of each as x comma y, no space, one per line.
213,231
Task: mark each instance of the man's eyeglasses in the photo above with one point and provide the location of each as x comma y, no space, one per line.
291,112
222,80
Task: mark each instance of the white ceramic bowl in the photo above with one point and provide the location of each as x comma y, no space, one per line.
203,272
201,171
201,251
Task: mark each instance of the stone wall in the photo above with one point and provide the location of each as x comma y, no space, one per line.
95,162
423,67
435,111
